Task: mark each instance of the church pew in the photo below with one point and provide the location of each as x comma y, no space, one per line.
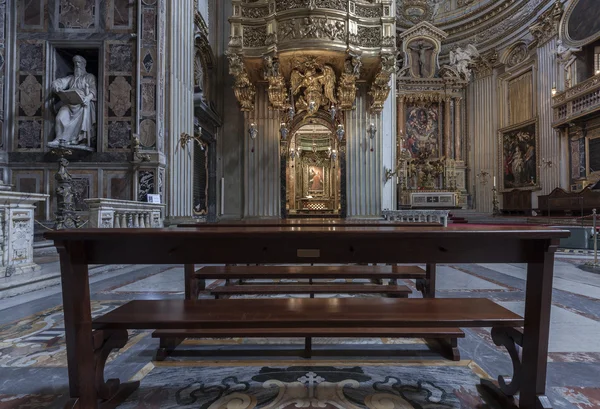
89,342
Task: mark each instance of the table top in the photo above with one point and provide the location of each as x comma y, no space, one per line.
391,231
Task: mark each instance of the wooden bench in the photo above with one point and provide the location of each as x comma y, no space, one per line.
318,317
195,280
89,342
400,291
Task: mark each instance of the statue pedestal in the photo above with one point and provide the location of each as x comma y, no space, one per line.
16,232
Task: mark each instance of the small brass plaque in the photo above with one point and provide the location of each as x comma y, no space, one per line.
309,253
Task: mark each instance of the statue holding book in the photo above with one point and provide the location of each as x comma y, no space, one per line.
76,120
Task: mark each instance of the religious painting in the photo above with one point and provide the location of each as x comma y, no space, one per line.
519,158
584,22
316,183
422,130
422,58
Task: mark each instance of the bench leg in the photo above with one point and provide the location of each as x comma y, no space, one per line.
111,392
308,347
166,346
448,347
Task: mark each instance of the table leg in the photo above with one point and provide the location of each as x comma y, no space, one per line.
193,286
530,362
427,285
78,328
538,302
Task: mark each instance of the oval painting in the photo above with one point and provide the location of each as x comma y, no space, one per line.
584,20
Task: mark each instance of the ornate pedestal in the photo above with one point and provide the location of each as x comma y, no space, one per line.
16,232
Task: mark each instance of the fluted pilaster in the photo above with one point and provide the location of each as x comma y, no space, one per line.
364,167
483,126
180,107
262,182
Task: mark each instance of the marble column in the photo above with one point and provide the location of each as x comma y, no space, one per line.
447,130
262,181
482,94
388,133
364,166
457,129
180,108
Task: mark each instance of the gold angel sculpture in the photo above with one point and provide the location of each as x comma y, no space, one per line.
318,82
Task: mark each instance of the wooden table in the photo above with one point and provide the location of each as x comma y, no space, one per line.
87,350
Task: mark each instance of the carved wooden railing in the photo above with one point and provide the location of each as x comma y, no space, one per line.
417,216
576,101
111,213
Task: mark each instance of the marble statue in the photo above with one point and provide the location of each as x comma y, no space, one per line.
76,120
461,59
566,54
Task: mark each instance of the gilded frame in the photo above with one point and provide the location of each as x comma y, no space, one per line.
513,131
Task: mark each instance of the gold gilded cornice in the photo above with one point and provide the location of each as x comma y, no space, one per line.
334,32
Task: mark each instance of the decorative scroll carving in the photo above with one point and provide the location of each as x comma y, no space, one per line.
380,89
547,24
282,5
255,12
277,89
484,64
312,27
512,340
112,392
369,36
318,82
369,12
517,55
347,86
255,36
243,88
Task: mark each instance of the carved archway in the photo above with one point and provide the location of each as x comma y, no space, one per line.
290,161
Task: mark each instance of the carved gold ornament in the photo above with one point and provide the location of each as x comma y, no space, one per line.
243,88
316,82
278,94
380,89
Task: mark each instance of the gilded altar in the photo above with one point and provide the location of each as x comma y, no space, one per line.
430,113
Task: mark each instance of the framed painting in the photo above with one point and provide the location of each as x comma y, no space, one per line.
519,161
316,176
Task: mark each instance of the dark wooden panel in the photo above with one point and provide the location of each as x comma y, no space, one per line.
311,289
363,332
295,313
316,272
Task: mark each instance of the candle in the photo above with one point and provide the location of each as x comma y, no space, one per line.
494,181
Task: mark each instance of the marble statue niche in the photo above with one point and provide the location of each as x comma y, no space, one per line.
75,122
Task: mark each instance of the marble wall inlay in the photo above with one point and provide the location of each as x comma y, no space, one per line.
31,95
78,14
149,68
145,185
120,98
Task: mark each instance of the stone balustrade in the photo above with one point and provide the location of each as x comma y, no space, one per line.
111,213
417,216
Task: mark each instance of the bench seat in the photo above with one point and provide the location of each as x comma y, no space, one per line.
333,288
309,312
310,272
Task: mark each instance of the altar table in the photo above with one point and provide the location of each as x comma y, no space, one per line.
87,350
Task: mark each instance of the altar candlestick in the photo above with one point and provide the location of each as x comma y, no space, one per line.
494,181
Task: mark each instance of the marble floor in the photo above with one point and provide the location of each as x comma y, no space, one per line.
242,373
